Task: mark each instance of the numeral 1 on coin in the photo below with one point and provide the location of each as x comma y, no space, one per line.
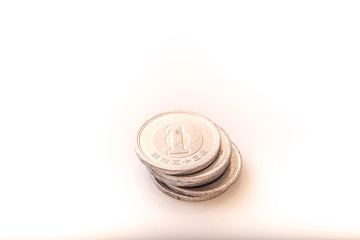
177,141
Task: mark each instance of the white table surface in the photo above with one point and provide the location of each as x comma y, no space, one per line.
77,78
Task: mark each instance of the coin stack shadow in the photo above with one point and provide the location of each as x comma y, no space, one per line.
189,157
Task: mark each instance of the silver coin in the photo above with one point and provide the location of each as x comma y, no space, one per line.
177,142
208,191
206,175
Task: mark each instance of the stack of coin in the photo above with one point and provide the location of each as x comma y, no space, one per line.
189,157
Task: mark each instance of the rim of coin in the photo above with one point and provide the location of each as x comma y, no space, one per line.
177,142
212,172
165,189
210,190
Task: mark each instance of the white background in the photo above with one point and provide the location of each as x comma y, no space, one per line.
77,78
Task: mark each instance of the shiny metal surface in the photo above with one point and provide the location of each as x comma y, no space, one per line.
206,175
177,142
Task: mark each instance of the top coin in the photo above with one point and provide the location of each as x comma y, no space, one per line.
177,142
